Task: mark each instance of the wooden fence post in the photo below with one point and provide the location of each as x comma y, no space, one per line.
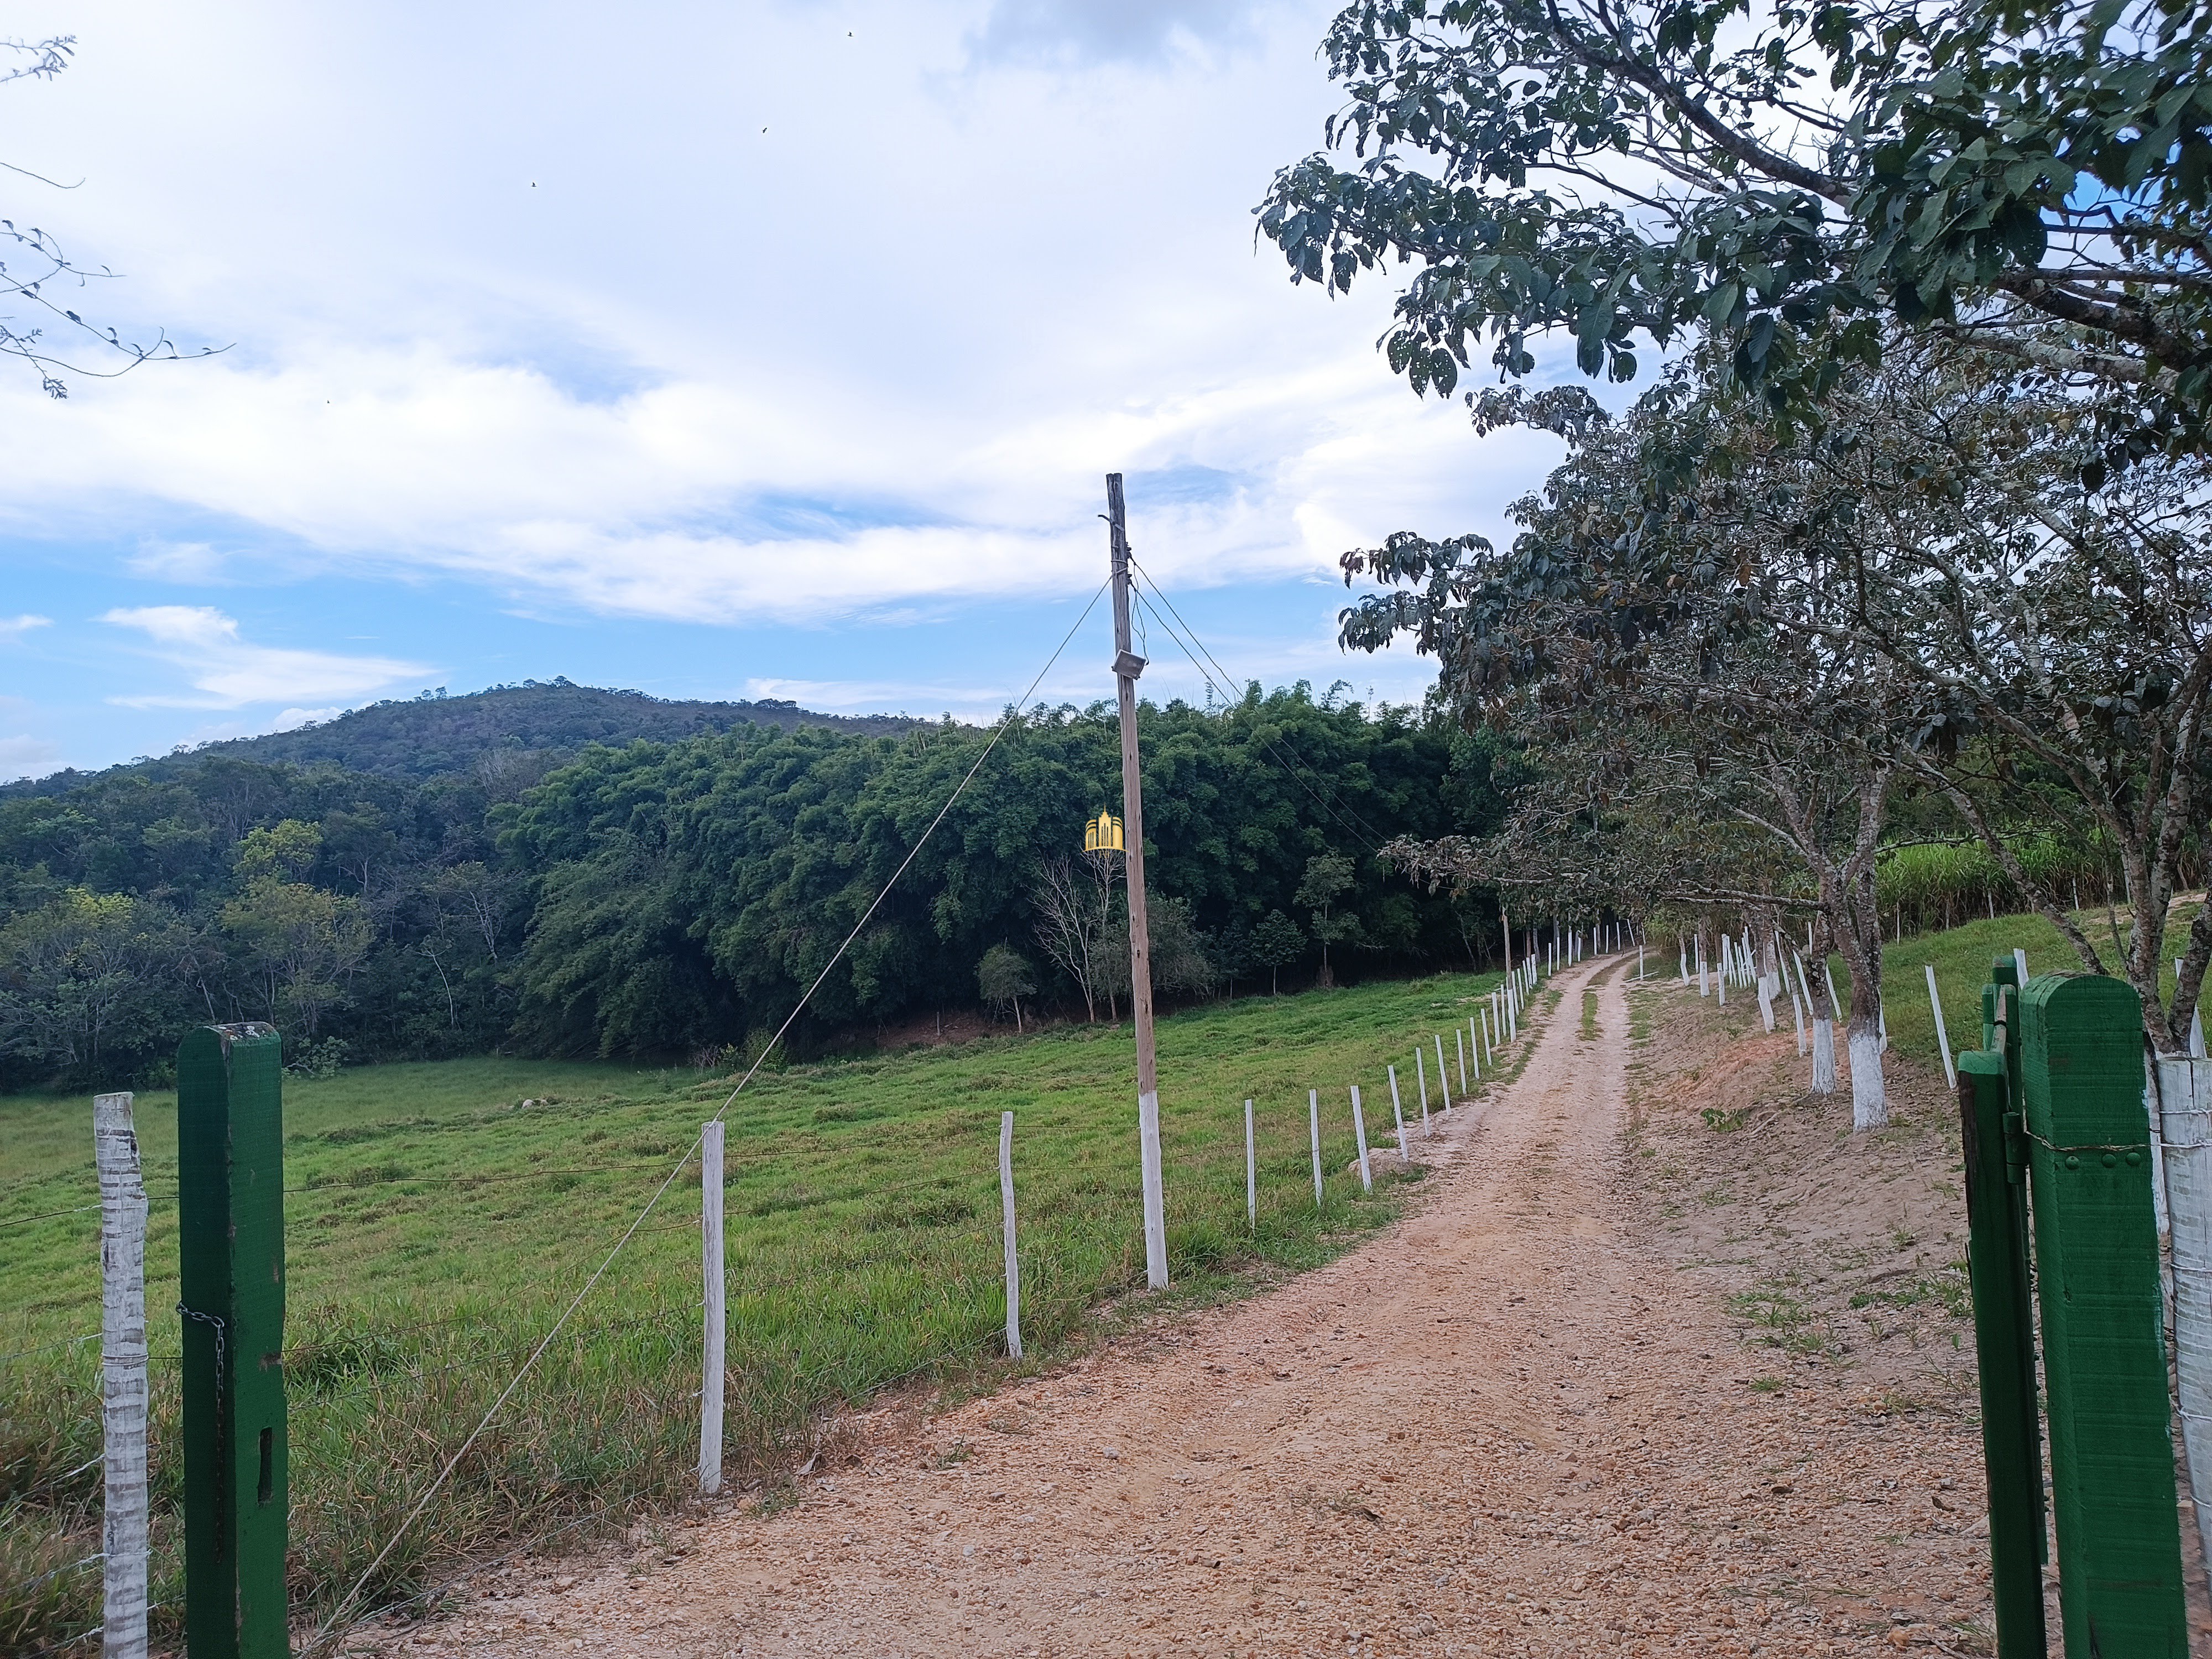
1942,1034
2104,1347
2185,1111
230,1171
122,1376
716,1283
2004,1350
1013,1259
1313,1118
1251,1173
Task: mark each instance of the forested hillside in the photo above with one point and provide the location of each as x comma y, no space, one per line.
507,730
666,898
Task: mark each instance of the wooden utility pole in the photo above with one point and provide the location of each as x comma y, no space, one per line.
1127,665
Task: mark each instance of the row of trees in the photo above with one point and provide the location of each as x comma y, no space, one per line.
697,890
665,898
1909,541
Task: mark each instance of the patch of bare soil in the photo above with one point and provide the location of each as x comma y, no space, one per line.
1628,1380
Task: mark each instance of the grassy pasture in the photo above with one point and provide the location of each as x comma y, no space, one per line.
1961,957
435,1228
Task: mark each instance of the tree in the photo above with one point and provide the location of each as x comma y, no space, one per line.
304,942
1074,907
89,983
1328,876
1277,943
1177,955
2033,179
40,264
1671,656
1004,977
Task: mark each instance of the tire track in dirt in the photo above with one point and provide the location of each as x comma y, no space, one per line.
1505,1426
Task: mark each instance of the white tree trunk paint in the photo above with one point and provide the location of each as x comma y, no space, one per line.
1683,954
1720,987
123,1393
1421,1071
1824,1056
1313,1118
715,1284
1796,1012
1155,1206
1870,1101
1359,1135
1705,976
1765,1003
1835,1002
1444,1077
2185,1134
1252,1172
1397,1116
1882,1015
1013,1256
1461,1047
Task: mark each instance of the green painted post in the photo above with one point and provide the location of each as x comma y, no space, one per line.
230,1167
2104,1342
2004,1350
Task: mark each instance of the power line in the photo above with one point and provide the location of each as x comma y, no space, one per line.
422,1503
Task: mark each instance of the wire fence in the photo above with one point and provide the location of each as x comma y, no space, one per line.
393,1404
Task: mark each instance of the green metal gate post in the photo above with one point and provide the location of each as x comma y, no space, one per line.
2103,1346
2004,1350
230,1167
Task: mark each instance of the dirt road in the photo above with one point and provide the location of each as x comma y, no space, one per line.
1508,1425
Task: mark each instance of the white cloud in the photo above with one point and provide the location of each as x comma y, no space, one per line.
14,628
291,720
27,757
225,671
177,561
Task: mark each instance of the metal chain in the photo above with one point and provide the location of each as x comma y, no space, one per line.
222,1485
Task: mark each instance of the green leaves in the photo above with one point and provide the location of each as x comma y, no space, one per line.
2020,166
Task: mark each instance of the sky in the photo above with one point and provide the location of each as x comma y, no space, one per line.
765,350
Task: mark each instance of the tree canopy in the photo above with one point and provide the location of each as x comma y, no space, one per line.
2031,177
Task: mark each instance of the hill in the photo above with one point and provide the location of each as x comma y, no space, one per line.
428,737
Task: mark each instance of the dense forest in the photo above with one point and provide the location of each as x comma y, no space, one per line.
498,884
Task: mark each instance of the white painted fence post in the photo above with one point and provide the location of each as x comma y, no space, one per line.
1313,1117
1462,1047
122,1374
1251,1173
1489,1031
1398,1114
1942,1035
1359,1133
2184,1130
1474,1046
1013,1257
1421,1071
2195,1018
717,1321
1443,1077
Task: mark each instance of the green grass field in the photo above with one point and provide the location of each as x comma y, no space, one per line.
1961,957
435,1227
